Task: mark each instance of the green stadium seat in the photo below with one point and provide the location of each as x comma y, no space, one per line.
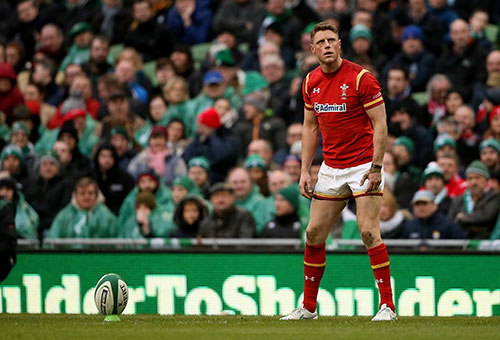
149,69
491,32
115,50
422,98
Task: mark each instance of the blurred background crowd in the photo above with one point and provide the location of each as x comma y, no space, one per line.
183,118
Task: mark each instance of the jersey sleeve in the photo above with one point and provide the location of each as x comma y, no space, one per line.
305,93
368,90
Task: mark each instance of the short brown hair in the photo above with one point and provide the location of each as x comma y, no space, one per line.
85,182
323,26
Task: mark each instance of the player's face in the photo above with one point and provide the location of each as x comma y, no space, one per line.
326,46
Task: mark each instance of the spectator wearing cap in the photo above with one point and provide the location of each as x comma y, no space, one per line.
444,143
247,195
148,219
227,220
433,181
29,114
86,216
258,173
258,124
241,17
10,96
406,118
468,143
147,182
81,35
489,150
120,114
407,182
112,19
114,183
361,48
199,173
494,124
286,223
224,62
26,218
189,213
158,158
146,35
48,192
477,209
213,141
428,222
214,88
464,61
413,56
124,150
181,187
19,136
69,135
12,161
190,21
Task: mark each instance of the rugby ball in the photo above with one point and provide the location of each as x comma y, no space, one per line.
111,294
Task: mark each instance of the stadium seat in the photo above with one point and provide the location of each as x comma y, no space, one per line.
149,69
199,52
115,50
422,98
491,32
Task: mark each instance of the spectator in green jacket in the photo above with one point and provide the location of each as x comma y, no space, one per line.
247,195
26,218
86,216
148,220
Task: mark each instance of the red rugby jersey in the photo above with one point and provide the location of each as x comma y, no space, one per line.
339,100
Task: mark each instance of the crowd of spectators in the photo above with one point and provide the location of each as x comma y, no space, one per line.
183,118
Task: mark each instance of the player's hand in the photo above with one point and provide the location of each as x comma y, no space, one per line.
374,179
305,185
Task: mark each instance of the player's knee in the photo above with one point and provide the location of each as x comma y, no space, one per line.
367,237
313,236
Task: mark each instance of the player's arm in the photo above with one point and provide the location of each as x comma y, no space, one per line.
378,118
310,134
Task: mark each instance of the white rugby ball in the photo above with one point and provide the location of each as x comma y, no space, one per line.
111,294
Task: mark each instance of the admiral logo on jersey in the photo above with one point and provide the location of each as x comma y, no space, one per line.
319,108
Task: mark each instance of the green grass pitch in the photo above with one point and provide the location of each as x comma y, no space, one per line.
92,327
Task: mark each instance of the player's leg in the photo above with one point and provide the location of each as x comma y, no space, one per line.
368,217
323,214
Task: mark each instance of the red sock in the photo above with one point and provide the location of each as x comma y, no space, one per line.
379,259
314,267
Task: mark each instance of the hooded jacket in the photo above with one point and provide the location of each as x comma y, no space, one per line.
185,230
115,184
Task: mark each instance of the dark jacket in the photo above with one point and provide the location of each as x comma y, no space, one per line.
438,226
406,185
272,129
234,16
465,69
8,239
420,66
234,223
423,143
287,226
481,221
48,198
200,27
185,230
115,184
121,23
221,149
151,40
